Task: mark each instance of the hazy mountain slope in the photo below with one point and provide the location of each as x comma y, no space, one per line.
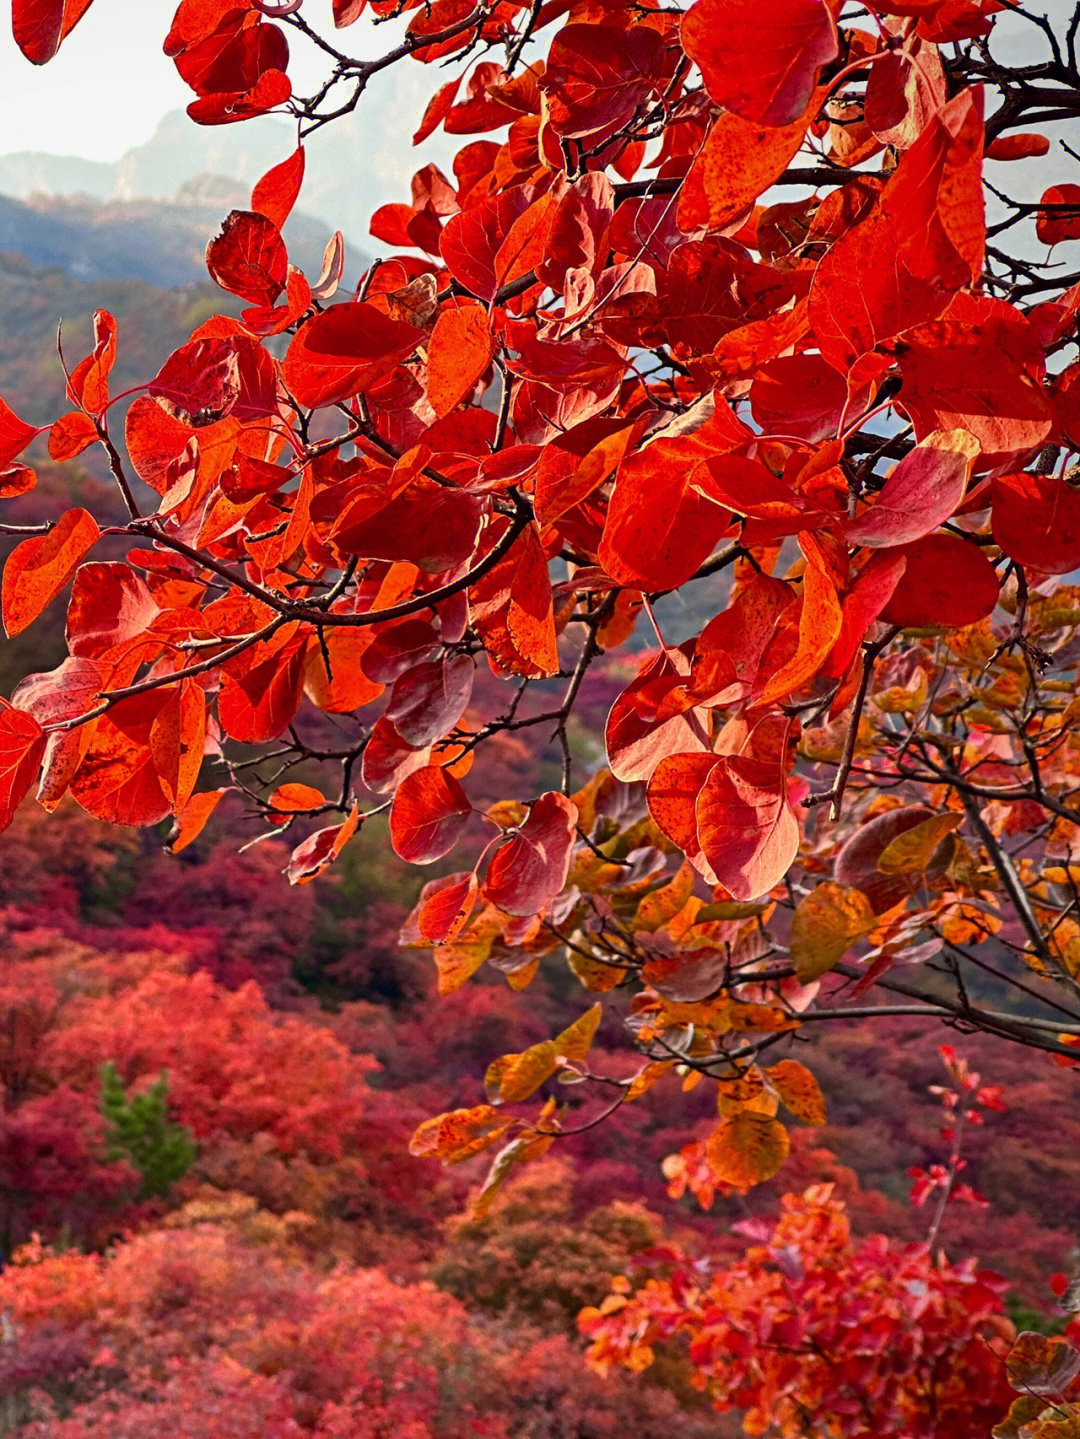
160,242
363,161
153,321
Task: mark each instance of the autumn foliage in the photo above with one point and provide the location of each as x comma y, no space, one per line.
724,378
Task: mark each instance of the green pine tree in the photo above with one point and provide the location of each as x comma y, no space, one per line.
141,1132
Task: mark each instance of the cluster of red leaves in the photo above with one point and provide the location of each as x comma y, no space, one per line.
691,377
442,519
812,1333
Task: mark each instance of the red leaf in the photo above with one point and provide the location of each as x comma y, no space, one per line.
118,779
427,524
296,798
260,691
978,369
178,740
921,493
472,240
199,383
429,699
529,870
276,193
22,745
272,88
1053,226
89,380
1017,147
346,687
428,816
947,581
747,830
320,849
760,58
70,435
15,435
672,797
922,241
388,760
800,395
737,163
65,693
39,568
862,604
644,727
903,92
192,819
1036,521
344,351
445,905
110,605
247,258
459,352
437,107
819,629
597,75
16,480
659,526
40,25
512,608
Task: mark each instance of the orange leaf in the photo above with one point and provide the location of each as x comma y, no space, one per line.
459,351
191,820
799,1091
747,1149
275,194
39,568
459,1134
296,798
22,745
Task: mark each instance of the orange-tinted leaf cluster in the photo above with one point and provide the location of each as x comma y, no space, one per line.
608,392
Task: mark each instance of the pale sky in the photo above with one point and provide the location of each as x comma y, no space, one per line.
110,84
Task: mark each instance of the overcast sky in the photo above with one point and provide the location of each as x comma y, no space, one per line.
110,84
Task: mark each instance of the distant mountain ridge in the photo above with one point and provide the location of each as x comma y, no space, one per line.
155,241
352,166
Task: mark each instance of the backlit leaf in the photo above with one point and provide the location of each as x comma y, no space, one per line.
825,925
428,815
746,1149
39,568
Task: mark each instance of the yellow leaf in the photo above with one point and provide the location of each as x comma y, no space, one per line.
647,1077
521,978
576,1040
459,961
597,975
799,1091
665,903
515,1076
459,1134
912,851
747,1149
732,909
746,1095
519,1151
825,925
